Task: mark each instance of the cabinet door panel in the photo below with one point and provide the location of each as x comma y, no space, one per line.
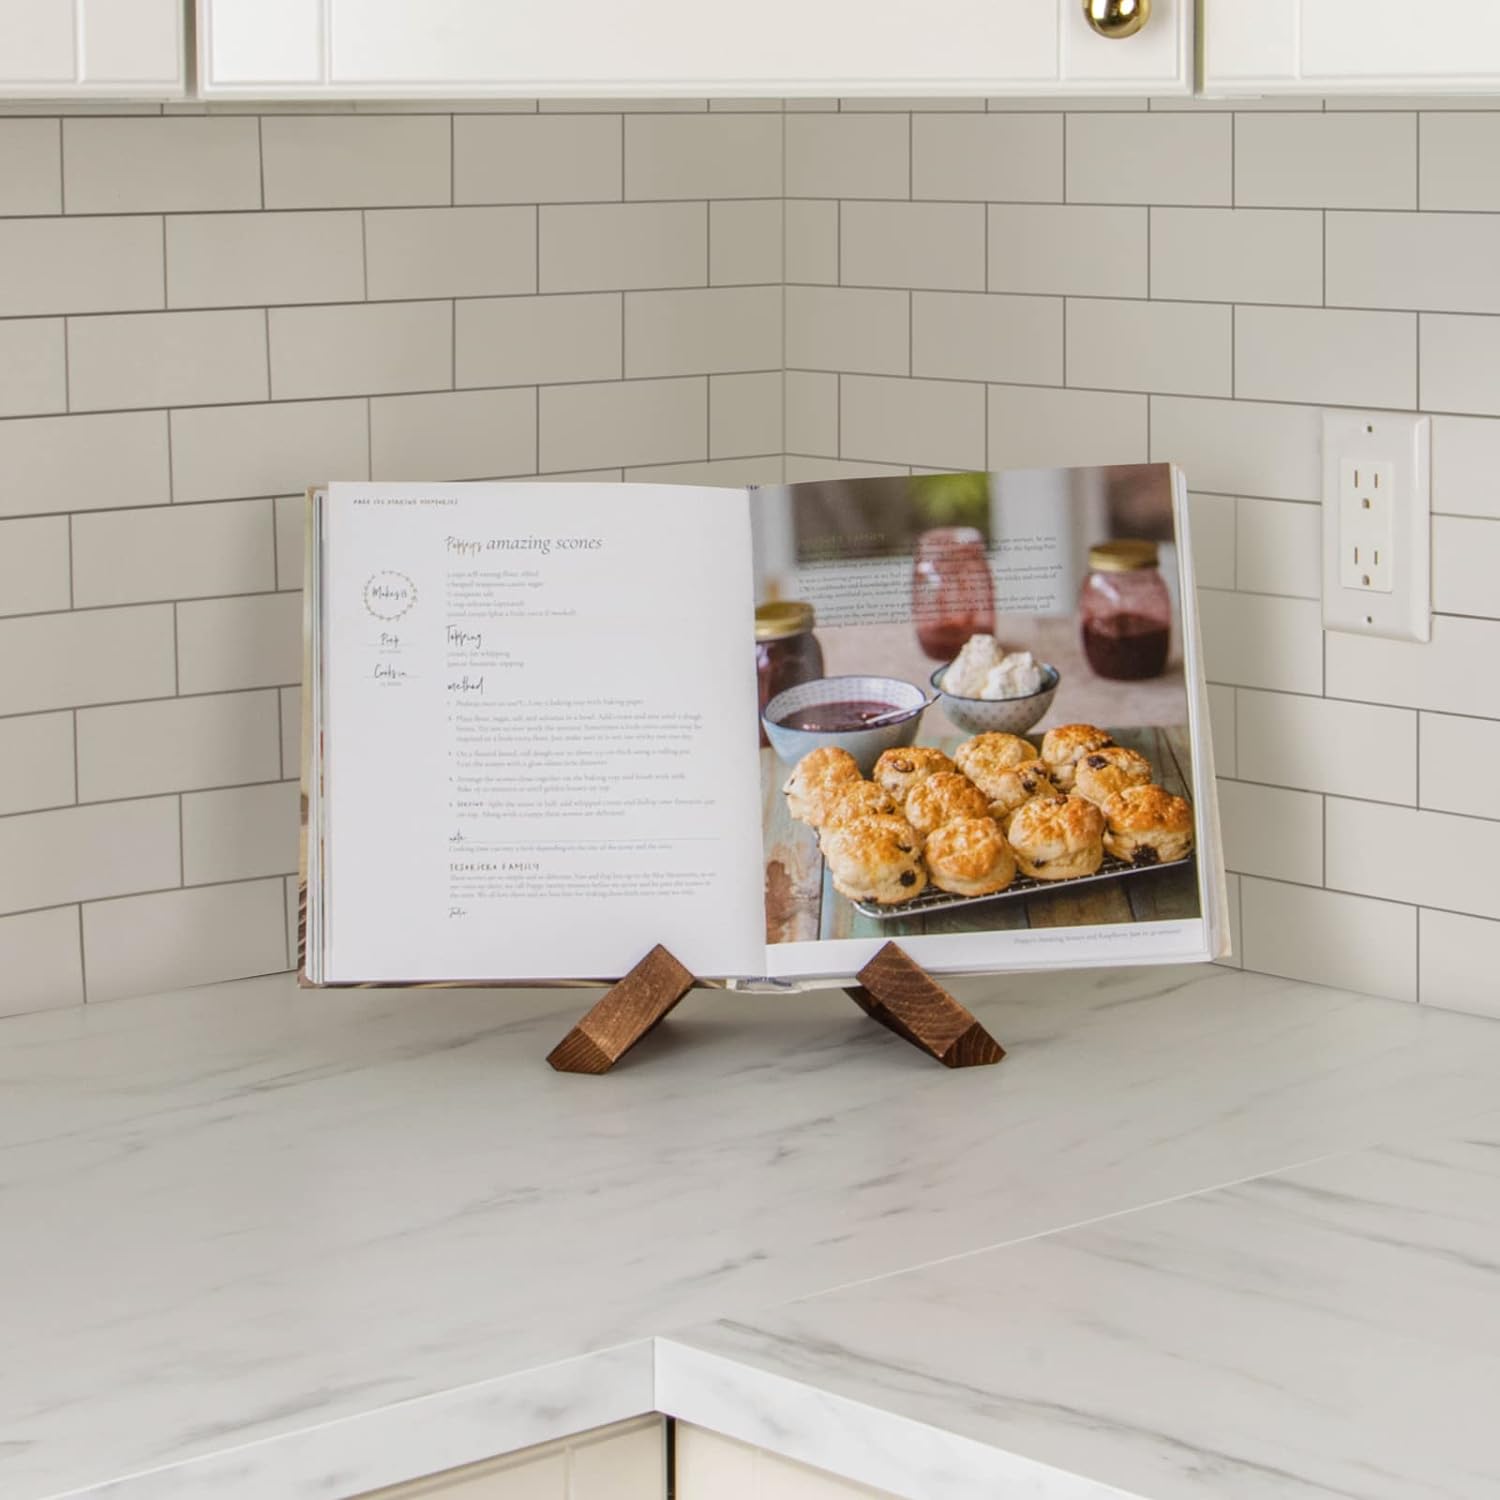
60,49
1159,54
36,41
262,42
135,42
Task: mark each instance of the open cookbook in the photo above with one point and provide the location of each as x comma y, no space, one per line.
547,726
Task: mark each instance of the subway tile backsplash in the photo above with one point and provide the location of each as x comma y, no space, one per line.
202,312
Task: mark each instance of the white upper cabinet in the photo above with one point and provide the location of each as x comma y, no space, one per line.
1351,46
116,49
660,48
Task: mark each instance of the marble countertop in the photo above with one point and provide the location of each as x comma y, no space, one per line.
1201,1233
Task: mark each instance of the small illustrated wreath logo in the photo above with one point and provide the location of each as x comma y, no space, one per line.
389,594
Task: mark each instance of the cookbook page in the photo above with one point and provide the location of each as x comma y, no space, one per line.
535,765
986,738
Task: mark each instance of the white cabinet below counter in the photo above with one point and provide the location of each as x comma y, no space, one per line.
664,48
1351,46
113,49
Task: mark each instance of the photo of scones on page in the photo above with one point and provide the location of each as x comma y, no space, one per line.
1015,787
984,755
856,799
816,782
1064,746
970,857
1101,773
1058,838
1147,825
876,858
899,770
941,798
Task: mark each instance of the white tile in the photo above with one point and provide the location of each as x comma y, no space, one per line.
539,340
1150,158
1034,428
1241,447
800,468
1256,640
30,167
713,156
79,265
167,359
1272,832
251,641
1279,548
450,252
34,567
290,524
1326,745
985,336
847,156
1237,254
1182,347
82,853
348,161
291,731
745,242
632,105
762,468
1458,760
1323,355
41,964
632,1462
36,762
1325,937
938,245
1466,466
1211,523
115,166
230,451
988,158
940,423
1400,854
1460,364
173,552
455,435
744,414
1223,716
178,939
1460,962
536,159
92,656
912,103
695,332
623,422
623,246
713,1467
1435,261
245,260
812,412
812,241
177,744
847,328
239,833
1458,152
1091,252
53,464
375,349
1326,160
1466,566
1441,674
33,367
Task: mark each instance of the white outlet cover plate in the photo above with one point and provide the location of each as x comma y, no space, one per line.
1399,444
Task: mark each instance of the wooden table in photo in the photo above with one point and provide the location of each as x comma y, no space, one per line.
802,905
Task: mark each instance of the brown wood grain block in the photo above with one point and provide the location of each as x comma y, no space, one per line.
624,1014
899,993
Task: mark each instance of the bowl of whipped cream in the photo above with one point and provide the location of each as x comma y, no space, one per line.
986,688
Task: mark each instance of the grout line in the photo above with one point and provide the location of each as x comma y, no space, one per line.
199,885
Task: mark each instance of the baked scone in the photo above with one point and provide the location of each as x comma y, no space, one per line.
1019,784
856,799
875,858
1102,773
942,797
1063,746
1056,838
899,770
987,756
1147,825
816,781
970,857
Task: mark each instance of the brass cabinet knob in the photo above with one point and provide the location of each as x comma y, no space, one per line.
1117,18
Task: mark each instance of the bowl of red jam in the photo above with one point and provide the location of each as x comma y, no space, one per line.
863,715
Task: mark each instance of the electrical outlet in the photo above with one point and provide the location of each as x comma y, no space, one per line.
1377,551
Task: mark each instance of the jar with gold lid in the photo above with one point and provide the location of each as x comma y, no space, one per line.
1125,611
786,650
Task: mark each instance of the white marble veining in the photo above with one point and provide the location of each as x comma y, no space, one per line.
306,1243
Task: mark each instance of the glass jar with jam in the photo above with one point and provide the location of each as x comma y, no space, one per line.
1125,612
952,595
786,650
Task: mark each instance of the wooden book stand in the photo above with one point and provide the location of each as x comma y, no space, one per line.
892,989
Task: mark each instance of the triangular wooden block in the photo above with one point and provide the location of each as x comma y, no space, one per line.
899,993
625,1013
